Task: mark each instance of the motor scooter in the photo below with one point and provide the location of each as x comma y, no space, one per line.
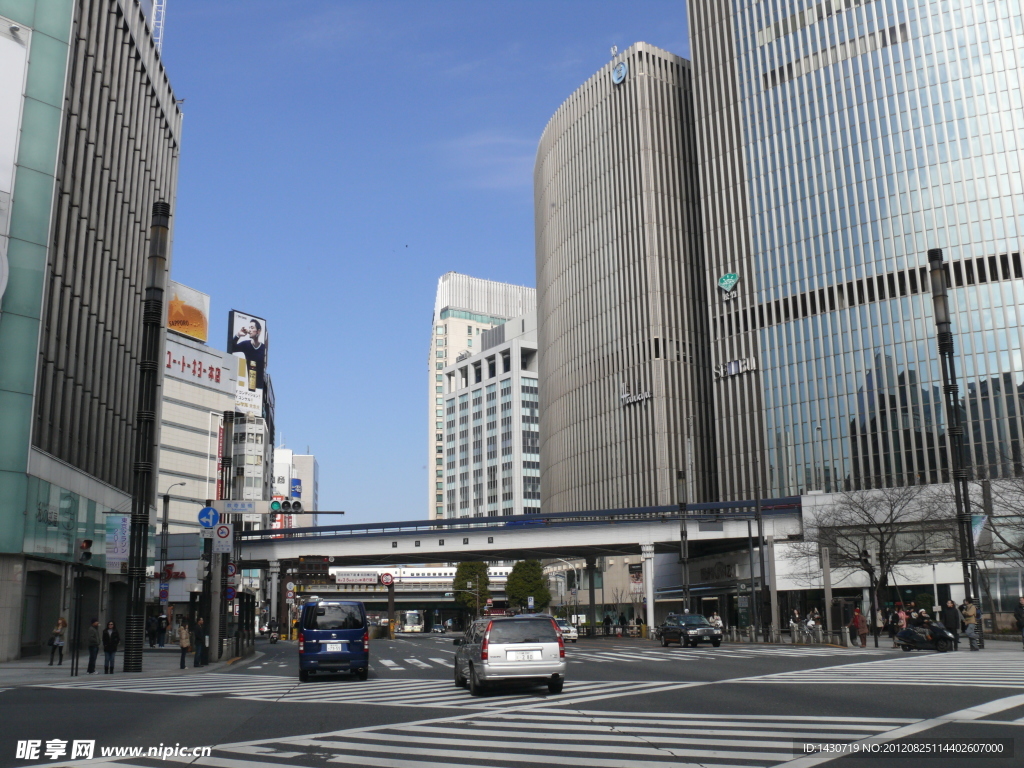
933,637
273,636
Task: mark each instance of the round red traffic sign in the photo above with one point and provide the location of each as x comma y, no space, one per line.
387,579
223,531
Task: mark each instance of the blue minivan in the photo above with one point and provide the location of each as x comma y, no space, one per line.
333,637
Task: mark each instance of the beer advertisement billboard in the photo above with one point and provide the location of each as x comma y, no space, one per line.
247,341
188,312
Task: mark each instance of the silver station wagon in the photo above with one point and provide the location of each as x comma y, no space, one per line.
513,649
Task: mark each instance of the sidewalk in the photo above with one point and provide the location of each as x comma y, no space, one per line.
156,662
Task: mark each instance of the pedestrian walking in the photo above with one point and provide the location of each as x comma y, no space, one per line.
111,639
607,624
892,624
161,629
970,613
952,619
184,640
93,642
1018,615
200,644
57,640
151,630
860,624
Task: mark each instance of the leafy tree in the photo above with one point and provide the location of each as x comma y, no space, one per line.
475,573
527,578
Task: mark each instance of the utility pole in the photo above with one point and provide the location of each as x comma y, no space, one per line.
961,488
763,608
826,574
163,526
684,537
146,407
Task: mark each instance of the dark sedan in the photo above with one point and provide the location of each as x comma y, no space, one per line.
689,629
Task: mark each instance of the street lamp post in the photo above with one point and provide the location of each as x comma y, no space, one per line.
146,408
577,595
164,523
961,490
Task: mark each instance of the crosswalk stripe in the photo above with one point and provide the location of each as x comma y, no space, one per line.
443,662
389,664
604,739
418,663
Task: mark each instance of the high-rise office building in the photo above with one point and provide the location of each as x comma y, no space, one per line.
297,477
464,307
88,142
840,141
491,425
624,371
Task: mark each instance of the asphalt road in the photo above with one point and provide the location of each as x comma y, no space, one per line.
626,704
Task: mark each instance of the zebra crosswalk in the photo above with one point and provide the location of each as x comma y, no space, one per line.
383,692
631,655
989,669
560,736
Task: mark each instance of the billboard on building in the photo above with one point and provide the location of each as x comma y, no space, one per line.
118,536
13,64
247,341
199,365
188,312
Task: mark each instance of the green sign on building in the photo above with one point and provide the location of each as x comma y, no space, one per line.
728,281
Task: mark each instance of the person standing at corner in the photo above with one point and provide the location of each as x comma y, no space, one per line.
1018,615
58,640
951,619
93,642
971,620
111,639
151,630
184,640
200,639
161,629
860,624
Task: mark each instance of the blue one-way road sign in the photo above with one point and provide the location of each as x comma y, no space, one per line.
208,517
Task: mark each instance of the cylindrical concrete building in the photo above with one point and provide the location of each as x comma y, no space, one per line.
625,377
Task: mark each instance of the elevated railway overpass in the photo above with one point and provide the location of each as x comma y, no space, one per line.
643,531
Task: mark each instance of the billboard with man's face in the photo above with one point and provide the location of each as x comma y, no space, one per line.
247,341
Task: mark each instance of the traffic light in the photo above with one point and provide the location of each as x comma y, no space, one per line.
285,506
202,570
83,550
869,559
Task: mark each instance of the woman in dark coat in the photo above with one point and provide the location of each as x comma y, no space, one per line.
951,618
111,639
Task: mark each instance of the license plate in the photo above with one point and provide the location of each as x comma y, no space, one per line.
335,647
522,655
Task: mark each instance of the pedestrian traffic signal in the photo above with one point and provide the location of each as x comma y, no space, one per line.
83,550
202,570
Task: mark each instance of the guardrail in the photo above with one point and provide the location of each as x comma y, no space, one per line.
705,511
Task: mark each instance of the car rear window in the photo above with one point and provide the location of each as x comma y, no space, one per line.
530,631
334,617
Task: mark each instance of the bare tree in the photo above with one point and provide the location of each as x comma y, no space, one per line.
880,532
1006,521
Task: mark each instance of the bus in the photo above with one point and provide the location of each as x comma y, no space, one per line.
410,621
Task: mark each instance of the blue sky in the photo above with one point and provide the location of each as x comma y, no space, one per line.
337,158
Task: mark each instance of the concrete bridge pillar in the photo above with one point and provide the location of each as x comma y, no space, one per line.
647,552
591,608
275,589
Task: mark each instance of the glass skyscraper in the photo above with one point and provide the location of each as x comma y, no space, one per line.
838,142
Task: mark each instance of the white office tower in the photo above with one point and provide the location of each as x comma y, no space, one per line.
297,478
464,308
491,425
